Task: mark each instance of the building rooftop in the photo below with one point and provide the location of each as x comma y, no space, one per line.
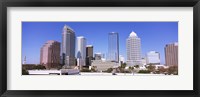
113,33
133,34
80,37
89,45
98,53
153,52
67,27
51,41
175,44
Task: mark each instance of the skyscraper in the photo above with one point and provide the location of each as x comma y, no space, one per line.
133,49
50,54
81,51
113,46
89,54
153,57
68,46
171,54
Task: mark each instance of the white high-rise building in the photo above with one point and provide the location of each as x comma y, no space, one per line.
133,49
81,51
153,57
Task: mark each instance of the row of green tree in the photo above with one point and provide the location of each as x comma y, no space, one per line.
149,69
35,67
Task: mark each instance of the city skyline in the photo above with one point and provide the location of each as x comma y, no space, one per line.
163,29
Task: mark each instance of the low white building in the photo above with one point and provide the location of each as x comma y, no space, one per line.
134,63
153,57
121,59
54,72
142,67
103,65
143,61
164,66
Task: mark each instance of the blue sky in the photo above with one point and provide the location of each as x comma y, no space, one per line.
154,36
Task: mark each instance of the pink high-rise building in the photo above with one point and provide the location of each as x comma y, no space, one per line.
50,54
171,54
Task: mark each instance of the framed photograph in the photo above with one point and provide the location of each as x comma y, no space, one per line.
99,48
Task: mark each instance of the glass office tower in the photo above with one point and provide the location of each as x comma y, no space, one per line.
113,46
68,46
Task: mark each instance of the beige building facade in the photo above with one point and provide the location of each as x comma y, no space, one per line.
50,54
171,54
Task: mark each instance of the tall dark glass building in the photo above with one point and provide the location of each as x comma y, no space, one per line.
113,46
89,54
68,46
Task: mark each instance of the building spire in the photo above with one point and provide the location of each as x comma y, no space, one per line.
67,27
24,62
133,34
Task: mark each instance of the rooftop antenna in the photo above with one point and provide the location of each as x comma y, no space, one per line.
24,62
